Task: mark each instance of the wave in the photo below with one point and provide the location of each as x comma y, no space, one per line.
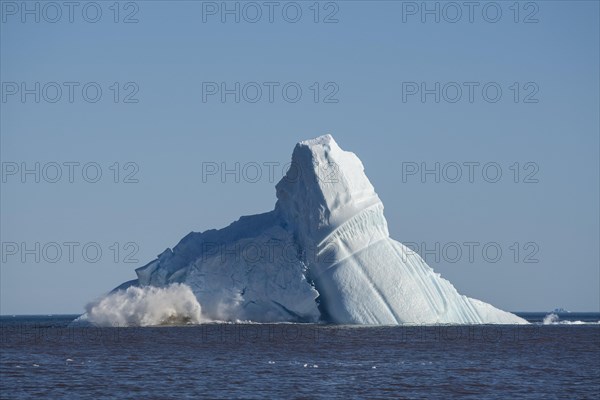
146,306
554,319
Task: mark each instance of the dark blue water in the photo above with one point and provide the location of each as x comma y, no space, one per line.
44,357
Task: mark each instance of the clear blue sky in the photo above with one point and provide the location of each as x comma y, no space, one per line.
373,58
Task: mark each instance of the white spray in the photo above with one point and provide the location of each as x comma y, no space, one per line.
146,306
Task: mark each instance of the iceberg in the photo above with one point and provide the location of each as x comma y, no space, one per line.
322,255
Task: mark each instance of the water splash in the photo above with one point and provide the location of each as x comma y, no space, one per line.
146,306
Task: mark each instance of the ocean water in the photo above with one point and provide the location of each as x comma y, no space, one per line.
556,357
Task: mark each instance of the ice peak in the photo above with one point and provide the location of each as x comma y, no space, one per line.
320,140
324,187
320,151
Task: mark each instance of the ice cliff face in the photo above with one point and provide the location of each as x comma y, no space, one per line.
246,271
324,253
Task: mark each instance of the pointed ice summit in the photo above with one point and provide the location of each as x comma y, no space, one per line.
323,254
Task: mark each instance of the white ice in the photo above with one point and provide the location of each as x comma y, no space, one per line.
323,254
